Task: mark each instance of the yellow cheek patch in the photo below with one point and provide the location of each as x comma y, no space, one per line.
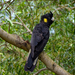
45,20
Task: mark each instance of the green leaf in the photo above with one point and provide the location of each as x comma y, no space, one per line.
9,21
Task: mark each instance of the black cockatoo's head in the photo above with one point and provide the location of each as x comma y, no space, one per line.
47,18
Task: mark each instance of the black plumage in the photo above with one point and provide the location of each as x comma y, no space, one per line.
39,39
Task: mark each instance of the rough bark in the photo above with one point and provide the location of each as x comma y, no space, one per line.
25,45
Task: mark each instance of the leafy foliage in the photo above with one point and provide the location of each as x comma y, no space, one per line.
61,44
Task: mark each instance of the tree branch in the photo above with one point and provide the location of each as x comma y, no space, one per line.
15,40
40,71
25,45
9,4
64,6
5,2
22,22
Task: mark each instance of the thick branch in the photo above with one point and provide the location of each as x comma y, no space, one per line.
25,45
15,40
51,65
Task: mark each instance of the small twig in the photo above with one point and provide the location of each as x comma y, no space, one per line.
10,19
72,23
72,2
23,33
9,4
65,6
59,8
22,22
1,7
17,23
2,45
31,14
21,25
5,2
73,8
40,71
3,24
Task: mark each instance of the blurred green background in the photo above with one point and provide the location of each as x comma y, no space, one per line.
61,44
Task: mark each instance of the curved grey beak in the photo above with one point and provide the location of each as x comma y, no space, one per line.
52,19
